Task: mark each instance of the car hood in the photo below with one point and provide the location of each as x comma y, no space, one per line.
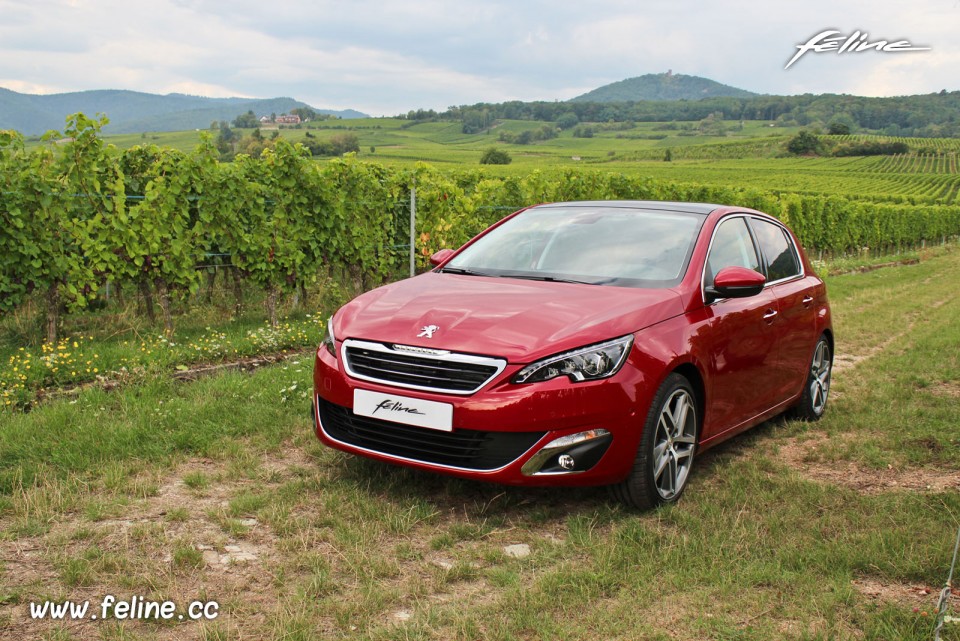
520,320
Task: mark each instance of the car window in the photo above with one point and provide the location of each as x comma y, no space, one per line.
731,247
778,249
619,246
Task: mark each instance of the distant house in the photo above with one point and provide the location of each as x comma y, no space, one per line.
288,120
265,120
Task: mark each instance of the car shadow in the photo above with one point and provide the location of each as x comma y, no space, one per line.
480,500
474,499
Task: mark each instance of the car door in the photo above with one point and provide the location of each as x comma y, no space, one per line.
796,295
739,336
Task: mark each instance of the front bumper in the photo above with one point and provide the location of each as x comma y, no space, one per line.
503,433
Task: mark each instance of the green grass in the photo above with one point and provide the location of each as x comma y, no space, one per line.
130,491
118,345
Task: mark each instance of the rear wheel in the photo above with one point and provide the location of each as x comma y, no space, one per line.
665,455
813,401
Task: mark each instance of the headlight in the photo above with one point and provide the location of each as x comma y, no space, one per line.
584,364
329,341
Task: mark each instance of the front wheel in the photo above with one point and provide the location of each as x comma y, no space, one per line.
813,401
665,455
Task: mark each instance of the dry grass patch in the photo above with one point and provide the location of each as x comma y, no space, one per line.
187,540
803,454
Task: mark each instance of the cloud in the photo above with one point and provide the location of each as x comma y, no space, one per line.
385,56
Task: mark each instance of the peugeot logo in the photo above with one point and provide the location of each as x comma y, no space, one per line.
427,331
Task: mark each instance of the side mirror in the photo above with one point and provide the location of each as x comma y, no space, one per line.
440,257
735,282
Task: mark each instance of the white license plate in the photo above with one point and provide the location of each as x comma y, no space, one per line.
403,409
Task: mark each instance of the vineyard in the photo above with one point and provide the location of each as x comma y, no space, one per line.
86,214
909,179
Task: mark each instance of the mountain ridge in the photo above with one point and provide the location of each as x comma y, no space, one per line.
138,112
662,86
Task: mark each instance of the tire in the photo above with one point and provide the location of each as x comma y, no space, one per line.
665,455
816,389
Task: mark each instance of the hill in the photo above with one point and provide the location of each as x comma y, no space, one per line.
135,112
662,86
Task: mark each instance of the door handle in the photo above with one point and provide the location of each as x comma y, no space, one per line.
770,314
807,300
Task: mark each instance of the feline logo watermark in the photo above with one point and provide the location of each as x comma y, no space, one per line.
856,42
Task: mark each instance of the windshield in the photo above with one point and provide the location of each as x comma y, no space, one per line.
594,245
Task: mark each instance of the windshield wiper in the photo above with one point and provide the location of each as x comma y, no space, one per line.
464,272
554,279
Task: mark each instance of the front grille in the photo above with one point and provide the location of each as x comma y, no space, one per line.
418,368
467,449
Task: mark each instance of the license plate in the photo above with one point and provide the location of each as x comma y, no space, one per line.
403,409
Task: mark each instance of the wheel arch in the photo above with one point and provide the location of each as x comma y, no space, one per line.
692,373
828,333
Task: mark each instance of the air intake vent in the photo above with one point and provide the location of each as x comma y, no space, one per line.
419,368
464,449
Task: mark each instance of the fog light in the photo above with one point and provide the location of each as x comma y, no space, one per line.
569,454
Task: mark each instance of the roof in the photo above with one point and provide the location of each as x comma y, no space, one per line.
693,208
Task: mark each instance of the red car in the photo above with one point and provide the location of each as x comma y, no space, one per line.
581,343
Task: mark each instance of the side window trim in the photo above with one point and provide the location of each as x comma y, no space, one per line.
801,273
756,248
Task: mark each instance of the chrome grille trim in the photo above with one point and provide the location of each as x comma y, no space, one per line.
411,368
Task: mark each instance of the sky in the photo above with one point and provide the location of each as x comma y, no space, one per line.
388,57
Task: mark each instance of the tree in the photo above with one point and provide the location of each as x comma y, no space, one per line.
841,125
713,125
476,120
226,139
804,143
305,113
246,121
838,129
345,143
494,156
569,120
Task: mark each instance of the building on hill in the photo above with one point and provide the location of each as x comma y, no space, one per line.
288,120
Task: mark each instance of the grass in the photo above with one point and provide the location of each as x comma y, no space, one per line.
216,489
118,345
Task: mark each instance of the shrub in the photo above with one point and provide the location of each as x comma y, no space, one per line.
494,156
804,143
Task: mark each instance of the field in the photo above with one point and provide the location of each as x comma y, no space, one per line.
751,156
214,489
180,465
401,142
